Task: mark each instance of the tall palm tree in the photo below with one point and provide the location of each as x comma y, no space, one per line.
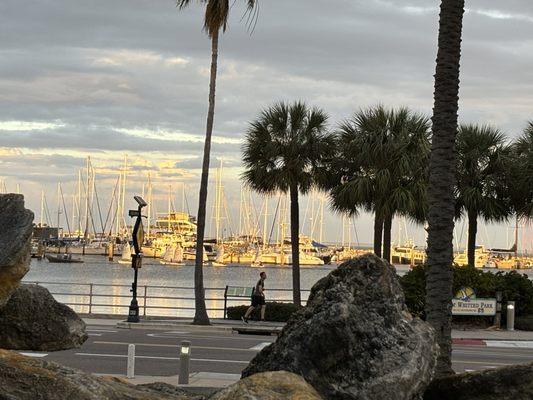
442,180
481,179
282,149
215,20
519,165
382,162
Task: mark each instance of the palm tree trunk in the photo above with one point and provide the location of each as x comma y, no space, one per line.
378,235
442,180
387,229
295,245
200,314
472,232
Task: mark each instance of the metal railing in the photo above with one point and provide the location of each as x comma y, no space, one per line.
161,301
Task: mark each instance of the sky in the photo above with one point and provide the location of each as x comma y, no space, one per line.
109,78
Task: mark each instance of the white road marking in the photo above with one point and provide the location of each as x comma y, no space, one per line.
166,335
519,344
37,355
260,346
94,334
176,346
101,330
161,358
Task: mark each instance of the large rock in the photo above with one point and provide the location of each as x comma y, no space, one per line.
508,383
355,338
280,385
25,378
15,243
33,320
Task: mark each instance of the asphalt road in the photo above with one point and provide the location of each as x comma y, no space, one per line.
157,352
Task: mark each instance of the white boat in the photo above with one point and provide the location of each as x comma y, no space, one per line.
126,254
173,256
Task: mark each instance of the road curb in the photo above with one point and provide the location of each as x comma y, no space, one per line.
171,325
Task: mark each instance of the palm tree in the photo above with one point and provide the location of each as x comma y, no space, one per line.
282,149
215,20
519,165
382,166
442,180
481,180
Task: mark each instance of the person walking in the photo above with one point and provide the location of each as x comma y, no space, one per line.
258,298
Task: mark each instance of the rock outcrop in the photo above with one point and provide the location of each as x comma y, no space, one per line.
355,338
15,241
33,320
25,378
507,383
279,385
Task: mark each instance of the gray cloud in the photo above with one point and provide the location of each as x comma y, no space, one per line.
100,67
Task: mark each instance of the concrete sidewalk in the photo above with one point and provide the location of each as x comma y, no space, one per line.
224,325
492,334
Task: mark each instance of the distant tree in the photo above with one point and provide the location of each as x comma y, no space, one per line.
381,166
442,180
282,148
215,20
481,177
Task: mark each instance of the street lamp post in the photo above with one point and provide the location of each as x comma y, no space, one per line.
136,257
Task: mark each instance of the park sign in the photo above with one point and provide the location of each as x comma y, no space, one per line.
474,307
466,303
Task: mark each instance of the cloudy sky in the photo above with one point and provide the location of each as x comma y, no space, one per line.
112,77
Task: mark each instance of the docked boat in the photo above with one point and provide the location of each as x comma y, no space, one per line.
63,258
408,254
173,256
125,258
481,256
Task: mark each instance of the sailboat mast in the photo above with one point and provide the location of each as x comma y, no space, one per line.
42,209
516,237
149,204
169,195
87,194
265,222
124,190
58,207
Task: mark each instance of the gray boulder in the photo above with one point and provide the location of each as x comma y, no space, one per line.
25,378
33,320
355,338
513,382
279,385
15,243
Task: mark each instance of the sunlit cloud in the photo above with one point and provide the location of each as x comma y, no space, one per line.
28,126
497,14
164,134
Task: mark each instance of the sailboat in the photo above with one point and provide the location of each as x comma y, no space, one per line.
126,254
173,256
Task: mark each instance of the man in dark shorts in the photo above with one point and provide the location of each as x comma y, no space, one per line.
258,298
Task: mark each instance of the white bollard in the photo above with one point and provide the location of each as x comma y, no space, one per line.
510,315
131,362
185,358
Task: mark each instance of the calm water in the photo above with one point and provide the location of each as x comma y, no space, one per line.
167,287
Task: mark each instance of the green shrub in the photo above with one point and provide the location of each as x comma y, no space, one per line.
524,323
277,312
513,285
